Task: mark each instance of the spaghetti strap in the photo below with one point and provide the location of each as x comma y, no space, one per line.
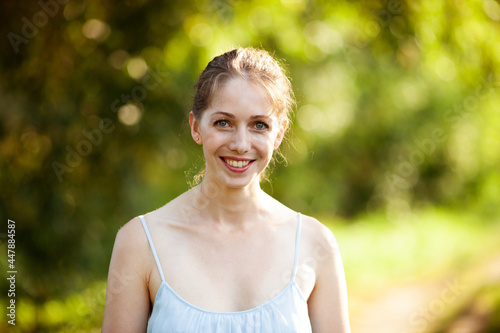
152,247
297,246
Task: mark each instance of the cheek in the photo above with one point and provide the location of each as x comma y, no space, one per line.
213,140
265,144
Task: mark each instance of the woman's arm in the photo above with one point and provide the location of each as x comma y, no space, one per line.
328,300
127,296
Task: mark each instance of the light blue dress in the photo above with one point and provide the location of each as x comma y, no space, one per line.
285,313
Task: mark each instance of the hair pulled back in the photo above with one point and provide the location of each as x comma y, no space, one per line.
252,64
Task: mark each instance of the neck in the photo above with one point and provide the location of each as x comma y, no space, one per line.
230,206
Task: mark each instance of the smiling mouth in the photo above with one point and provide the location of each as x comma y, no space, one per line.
236,164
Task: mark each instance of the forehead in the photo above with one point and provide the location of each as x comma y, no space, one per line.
241,97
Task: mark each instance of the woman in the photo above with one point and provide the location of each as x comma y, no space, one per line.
225,256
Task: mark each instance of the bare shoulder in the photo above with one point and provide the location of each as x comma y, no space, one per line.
131,248
318,238
132,235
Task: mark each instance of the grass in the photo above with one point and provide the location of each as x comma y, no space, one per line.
377,253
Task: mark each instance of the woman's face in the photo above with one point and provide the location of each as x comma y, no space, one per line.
239,132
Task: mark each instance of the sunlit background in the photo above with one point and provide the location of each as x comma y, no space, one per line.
395,144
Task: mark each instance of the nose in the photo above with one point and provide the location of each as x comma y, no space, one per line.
240,141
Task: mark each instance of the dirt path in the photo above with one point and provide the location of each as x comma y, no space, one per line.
417,308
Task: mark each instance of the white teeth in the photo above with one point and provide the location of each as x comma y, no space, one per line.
236,164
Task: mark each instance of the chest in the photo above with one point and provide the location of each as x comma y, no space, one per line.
229,273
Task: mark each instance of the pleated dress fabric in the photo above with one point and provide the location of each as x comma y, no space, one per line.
285,313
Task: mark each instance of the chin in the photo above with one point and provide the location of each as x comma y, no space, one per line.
241,183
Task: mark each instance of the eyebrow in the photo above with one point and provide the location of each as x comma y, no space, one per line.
230,115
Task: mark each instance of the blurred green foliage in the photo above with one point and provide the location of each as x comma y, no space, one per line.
397,111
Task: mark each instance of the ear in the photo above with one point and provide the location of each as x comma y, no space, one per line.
281,133
195,128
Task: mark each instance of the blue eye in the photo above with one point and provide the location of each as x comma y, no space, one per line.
221,123
261,125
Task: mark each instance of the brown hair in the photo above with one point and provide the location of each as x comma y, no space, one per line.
248,63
